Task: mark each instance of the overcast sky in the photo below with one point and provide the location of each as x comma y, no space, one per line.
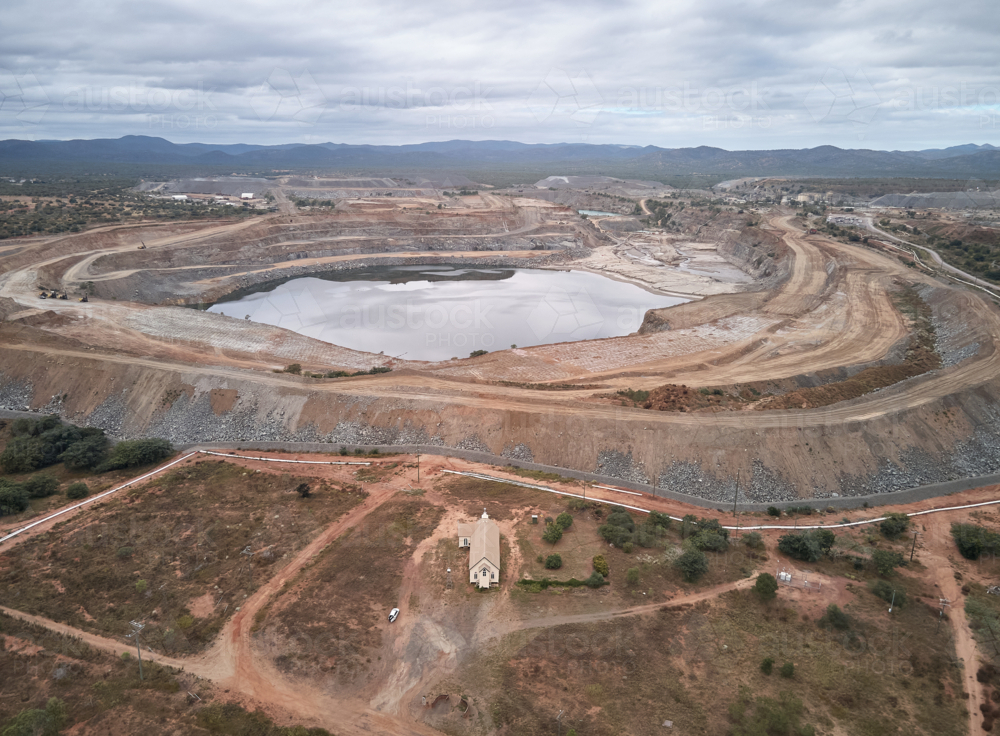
737,75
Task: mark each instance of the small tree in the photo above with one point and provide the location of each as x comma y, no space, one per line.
552,533
38,722
564,521
886,561
596,580
77,491
130,453
894,525
693,564
767,665
553,562
601,565
632,576
41,485
754,540
894,596
834,618
766,586
788,670
13,498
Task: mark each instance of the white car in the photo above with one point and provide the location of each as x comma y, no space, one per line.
393,614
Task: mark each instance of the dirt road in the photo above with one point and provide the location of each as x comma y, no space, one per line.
233,662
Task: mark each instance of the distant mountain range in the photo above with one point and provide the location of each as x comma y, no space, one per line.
978,161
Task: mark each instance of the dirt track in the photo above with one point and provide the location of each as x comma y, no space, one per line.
233,662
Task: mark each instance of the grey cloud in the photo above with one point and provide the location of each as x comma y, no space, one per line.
748,75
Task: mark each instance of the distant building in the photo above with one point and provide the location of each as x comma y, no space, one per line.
246,195
483,542
845,220
179,197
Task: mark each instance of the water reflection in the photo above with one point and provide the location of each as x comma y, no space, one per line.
435,313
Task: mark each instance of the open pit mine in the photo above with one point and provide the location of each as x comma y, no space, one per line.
803,366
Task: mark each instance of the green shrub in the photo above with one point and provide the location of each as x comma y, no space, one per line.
38,443
632,576
38,722
807,546
886,561
601,565
41,485
131,453
767,665
709,540
974,541
759,716
140,586
13,498
773,511
834,618
596,580
754,540
614,534
693,564
622,518
295,368
894,596
553,562
564,521
627,548
656,519
894,525
77,491
22,455
87,453
124,552
787,670
552,533
766,586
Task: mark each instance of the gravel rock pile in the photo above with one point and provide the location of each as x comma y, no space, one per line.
763,485
615,464
955,337
520,451
16,395
474,443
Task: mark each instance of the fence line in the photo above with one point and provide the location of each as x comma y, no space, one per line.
749,527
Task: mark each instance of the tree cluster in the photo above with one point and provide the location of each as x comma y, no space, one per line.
621,529
39,443
807,546
974,541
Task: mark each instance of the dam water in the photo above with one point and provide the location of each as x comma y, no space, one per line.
440,312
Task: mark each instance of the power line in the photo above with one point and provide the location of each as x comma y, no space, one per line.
137,628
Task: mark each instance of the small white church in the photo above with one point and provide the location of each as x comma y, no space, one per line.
483,542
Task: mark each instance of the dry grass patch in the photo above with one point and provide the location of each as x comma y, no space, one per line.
149,552
331,617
